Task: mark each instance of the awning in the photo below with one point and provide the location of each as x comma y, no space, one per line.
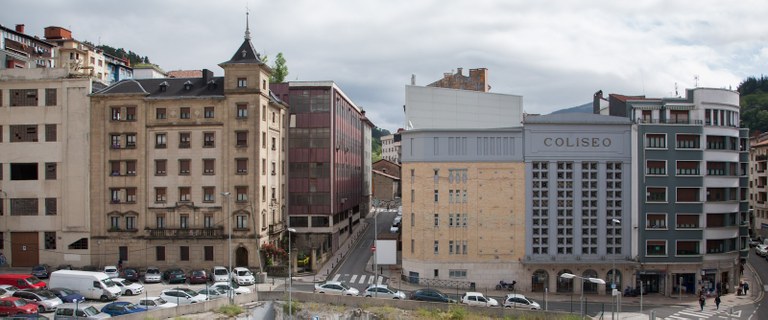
681,107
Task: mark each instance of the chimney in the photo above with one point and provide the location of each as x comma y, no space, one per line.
413,79
207,75
480,77
20,28
459,70
596,98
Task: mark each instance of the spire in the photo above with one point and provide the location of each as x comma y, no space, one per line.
247,29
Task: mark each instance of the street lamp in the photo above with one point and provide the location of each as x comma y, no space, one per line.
229,246
613,271
290,280
590,279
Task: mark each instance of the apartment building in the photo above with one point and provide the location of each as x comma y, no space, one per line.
690,217
19,50
44,177
179,166
328,193
577,201
463,182
758,189
83,59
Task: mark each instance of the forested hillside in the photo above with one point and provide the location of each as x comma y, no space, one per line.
754,104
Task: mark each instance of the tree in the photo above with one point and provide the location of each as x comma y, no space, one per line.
279,69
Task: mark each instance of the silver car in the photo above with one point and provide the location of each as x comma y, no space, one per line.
79,311
382,291
45,299
152,275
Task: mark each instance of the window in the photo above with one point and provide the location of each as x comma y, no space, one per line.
656,195
160,221
274,168
242,111
263,193
23,97
50,97
51,207
241,138
130,113
437,220
208,166
184,221
130,167
208,112
184,165
687,168
161,167
160,113
184,253
274,143
160,195
263,166
184,140
208,221
242,165
50,132
24,207
185,194
115,140
687,248
209,139
161,140
242,194
23,171
436,196
264,140
50,240
687,221
656,221
160,253
115,195
50,171
23,133
687,141
123,254
184,113
242,82
130,195
457,274
130,223
241,221
716,142
130,140
656,167
114,223
263,113
209,194
116,116
655,141
656,248
208,253
437,247
688,195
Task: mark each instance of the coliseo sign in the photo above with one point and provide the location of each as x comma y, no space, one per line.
579,142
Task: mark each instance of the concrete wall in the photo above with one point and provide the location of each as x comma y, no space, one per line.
428,108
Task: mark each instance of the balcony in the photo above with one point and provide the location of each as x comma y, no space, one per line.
276,228
189,233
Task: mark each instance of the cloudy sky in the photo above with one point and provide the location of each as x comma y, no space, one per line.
555,54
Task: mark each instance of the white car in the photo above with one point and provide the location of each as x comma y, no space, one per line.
382,291
182,296
394,229
761,250
111,271
212,293
243,276
478,299
519,301
152,303
397,220
152,275
219,274
127,287
225,287
336,287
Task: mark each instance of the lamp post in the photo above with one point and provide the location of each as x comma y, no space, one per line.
290,280
613,273
592,280
229,246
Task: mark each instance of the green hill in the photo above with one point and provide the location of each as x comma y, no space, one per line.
754,104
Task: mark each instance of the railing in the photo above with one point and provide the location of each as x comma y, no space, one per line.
668,121
443,283
276,228
208,233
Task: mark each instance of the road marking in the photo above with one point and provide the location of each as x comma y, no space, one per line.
352,280
336,277
381,280
676,317
362,279
370,280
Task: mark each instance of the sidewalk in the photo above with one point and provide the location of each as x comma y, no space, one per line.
338,257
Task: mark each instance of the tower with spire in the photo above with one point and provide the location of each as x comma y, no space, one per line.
246,72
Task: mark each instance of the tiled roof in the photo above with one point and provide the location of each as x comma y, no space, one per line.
246,54
174,87
185,74
385,175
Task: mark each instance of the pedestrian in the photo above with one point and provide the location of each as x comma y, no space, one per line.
717,303
741,269
2,259
746,287
701,301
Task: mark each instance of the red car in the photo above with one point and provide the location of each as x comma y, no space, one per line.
197,276
14,305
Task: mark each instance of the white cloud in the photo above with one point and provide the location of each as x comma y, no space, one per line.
554,53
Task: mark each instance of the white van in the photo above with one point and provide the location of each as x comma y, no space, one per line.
91,284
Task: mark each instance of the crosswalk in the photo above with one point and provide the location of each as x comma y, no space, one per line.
364,279
709,312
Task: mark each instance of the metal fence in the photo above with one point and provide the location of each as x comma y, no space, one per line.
442,283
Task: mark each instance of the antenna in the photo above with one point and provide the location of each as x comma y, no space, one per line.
247,28
696,80
676,89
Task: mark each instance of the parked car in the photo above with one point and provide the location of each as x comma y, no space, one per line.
226,286
22,281
67,295
397,220
382,291
111,271
119,308
152,275
127,287
182,296
14,305
7,290
219,274
65,267
761,250
131,274
336,287
212,293
152,303
754,242
26,316
429,294
478,299
197,276
174,275
394,229
243,276
77,311
514,300
46,300
41,271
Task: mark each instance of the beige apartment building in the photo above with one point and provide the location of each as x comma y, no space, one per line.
44,141
181,165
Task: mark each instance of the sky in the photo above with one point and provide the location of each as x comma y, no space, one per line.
556,54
